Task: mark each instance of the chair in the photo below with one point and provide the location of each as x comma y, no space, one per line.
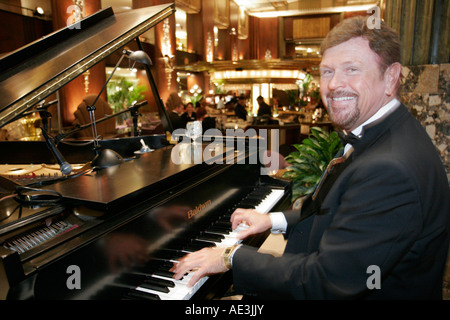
105,128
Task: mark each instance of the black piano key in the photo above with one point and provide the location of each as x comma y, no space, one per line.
261,191
168,254
177,244
192,248
162,270
252,204
187,245
224,223
164,273
215,229
196,245
257,198
208,237
155,287
131,279
247,206
215,236
140,295
150,267
160,282
166,266
254,201
227,215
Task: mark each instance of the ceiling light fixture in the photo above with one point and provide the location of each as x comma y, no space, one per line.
39,11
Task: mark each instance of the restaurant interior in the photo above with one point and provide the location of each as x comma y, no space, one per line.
212,52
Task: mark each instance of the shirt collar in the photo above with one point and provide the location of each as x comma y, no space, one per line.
391,105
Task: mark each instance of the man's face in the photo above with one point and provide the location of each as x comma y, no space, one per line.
351,85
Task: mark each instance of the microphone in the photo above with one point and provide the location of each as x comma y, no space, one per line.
139,104
49,104
65,167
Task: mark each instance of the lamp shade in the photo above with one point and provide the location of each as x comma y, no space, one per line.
139,56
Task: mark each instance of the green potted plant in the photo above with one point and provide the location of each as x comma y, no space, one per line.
121,94
196,98
310,159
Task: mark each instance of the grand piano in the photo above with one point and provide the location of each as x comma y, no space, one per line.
113,233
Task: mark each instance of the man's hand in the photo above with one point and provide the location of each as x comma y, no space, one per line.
256,221
205,262
209,261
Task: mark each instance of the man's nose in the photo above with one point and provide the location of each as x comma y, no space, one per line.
336,81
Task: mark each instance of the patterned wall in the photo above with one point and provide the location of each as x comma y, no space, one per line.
425,91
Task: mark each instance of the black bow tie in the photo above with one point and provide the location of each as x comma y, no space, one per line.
348,138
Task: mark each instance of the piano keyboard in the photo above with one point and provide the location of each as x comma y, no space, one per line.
154,281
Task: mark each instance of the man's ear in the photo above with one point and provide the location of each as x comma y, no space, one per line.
392,77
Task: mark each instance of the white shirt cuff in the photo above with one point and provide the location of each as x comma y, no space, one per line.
279,223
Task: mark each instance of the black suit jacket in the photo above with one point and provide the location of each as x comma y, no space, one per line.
264,109
390,208
240,112
177,122
185,118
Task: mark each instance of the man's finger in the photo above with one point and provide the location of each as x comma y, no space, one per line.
197,275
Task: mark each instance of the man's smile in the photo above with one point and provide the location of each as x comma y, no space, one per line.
338,99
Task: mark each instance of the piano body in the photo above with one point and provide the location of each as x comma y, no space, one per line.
113,233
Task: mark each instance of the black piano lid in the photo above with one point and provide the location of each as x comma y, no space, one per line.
30,74
143,178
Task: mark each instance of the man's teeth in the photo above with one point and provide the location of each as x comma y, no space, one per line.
343,98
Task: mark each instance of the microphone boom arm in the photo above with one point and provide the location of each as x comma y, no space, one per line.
133,109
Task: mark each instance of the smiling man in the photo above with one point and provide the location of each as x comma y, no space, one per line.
378,226
355,81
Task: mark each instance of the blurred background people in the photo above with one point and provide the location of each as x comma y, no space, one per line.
240,109
264,108
207,121
189,114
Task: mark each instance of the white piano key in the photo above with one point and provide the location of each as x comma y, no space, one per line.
270,201
180,292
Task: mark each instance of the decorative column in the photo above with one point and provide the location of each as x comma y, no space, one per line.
207,13
423,28
422,31
167,53
66,12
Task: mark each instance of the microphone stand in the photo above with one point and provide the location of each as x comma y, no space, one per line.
106,157
91,110
135,115
64,166
43,113
133,109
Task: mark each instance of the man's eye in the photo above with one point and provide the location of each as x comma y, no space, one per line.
325,72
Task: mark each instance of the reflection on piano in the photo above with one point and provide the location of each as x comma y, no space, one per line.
114,233
153,280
